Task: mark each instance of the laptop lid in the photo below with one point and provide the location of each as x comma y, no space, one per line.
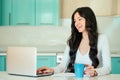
22,60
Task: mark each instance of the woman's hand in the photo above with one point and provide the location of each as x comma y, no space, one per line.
45,70
90,70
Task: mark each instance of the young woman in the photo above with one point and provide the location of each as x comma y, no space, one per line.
85,45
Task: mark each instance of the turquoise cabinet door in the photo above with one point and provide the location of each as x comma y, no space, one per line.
47,12
30,12
23,12
2,63
0,12
115,65
6,12
49,61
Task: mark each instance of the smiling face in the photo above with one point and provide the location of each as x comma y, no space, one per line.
79,22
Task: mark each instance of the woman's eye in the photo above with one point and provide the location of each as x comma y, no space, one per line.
80,19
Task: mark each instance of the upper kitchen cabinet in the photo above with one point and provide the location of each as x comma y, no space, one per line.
104,7
47,12
35,12
6,9
118,7
23,12
29,12
0,12
100,7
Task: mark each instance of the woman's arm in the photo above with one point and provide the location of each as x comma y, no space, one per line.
105,54
60,68
65,61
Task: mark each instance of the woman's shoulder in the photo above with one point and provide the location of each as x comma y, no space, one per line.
102,40
102,36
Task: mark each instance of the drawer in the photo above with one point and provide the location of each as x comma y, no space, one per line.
49,61
115,65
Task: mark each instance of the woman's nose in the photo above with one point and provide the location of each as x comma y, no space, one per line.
77,23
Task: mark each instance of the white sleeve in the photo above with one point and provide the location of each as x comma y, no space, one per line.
106,58
65,61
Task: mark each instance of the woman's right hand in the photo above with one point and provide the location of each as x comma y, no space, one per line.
45,70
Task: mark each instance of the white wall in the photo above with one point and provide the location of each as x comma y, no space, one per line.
44,38
110,25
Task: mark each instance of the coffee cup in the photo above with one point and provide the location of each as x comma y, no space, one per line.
79,70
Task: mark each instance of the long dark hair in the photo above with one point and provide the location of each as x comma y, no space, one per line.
75,38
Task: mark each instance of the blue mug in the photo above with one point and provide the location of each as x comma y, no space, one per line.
79,70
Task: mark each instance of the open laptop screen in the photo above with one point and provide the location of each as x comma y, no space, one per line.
22,60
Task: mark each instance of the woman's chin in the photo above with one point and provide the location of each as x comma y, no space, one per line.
79,31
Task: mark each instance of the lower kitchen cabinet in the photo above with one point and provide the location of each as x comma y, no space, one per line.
2,63
49,61
115,65
42,60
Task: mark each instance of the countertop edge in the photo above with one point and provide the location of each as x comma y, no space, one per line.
55,53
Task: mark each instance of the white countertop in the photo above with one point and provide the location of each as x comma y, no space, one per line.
115,55
61,76
41,53
52,53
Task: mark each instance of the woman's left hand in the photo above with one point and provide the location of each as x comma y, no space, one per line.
89,70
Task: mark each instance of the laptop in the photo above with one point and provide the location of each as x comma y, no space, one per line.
23,61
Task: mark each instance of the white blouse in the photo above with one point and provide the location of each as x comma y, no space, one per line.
104,57
84,59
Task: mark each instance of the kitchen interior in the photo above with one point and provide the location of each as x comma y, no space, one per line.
45,24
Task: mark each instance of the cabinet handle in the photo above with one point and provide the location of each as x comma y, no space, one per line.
22,23
9,18
43,59
46,23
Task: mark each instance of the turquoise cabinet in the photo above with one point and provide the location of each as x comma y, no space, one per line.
34,12
0,12
2,62
23,12
6,12
47,12
49,61
115,65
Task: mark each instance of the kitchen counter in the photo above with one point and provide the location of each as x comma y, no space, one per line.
115,54
60,76
50,53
